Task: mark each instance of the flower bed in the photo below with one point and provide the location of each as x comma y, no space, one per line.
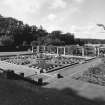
95,75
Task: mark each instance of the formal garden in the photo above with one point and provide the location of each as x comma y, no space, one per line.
44,63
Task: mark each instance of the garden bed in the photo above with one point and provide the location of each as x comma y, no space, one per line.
95,75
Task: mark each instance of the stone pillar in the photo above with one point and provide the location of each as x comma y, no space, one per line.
98,51
57,50
37,49
32,49
83,51
64,50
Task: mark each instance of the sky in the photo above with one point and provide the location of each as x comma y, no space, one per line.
76,16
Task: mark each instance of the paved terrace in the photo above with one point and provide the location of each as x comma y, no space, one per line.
72,56
18,68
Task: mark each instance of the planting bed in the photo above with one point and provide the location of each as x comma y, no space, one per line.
95,75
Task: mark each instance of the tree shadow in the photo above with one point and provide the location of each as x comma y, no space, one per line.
69,96
100,100
11,93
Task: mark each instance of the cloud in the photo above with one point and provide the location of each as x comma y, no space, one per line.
31,10
89,31
79,1
51,17
25,10
52,22
23,5
53,27
58,4
19,8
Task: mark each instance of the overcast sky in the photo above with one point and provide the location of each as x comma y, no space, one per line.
77,16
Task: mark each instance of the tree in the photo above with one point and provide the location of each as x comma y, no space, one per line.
101,25
6,40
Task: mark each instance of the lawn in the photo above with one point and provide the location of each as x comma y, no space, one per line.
13,92
14,53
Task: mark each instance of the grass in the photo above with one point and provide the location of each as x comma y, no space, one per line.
14,53
95,74
22,93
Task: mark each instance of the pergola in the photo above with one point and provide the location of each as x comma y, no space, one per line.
75,50
61,50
